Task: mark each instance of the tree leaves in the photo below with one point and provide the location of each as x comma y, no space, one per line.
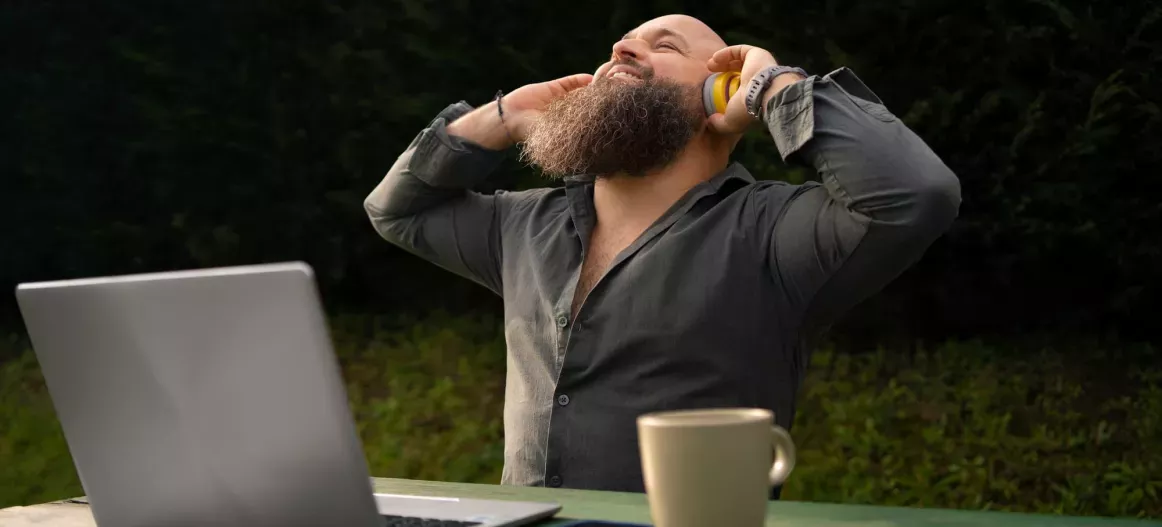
267,119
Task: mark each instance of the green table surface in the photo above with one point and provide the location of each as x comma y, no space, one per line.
627,507
616,506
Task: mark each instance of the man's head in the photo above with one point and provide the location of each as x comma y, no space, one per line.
643,108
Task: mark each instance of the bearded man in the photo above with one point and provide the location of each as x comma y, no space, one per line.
661,276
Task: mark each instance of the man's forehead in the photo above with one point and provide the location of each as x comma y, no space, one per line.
688,28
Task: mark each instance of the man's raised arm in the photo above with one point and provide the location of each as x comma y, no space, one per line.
424,204
885,195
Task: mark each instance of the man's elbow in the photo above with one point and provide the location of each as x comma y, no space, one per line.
937,199
390,199
374,212
388,219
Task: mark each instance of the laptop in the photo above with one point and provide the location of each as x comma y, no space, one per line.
213,398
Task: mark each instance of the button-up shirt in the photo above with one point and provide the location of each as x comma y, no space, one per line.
708,308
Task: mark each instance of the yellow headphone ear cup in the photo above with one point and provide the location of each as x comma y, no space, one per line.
707,97
721,85
717,91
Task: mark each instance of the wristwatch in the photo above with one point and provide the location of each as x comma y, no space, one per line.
759,84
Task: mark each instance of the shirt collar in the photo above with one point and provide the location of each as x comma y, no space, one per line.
579,193
733,171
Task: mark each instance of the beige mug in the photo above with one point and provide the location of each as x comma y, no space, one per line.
712,467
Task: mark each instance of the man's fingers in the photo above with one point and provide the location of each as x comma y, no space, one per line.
565,85
729,58
717,122
723,124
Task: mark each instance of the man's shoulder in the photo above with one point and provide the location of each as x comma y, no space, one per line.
737,183
765,200
532,195
772,191
542,203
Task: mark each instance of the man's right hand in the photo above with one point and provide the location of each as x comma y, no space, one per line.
484,126
523,105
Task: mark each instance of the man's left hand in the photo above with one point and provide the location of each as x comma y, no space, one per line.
749,61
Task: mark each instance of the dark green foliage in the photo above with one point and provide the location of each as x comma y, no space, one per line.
967,425
974,426
33,452
144,135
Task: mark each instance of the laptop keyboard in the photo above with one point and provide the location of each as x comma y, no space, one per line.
407,521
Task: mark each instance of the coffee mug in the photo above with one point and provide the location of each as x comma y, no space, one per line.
712,467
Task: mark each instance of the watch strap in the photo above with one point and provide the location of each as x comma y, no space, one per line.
759,84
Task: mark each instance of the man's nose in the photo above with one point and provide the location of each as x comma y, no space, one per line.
633,49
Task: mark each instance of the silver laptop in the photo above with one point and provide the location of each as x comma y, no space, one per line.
213,398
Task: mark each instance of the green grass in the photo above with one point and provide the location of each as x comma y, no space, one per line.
965,425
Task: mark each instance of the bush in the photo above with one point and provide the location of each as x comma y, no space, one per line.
35,465
143,135
967,425
427,395
970,427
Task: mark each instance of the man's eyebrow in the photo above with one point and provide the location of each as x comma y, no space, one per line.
661,32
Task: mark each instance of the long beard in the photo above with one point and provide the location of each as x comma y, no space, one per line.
615,127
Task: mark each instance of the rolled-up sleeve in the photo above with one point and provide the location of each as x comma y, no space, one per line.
424,204
882,198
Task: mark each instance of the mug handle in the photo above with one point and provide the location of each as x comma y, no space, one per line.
784,455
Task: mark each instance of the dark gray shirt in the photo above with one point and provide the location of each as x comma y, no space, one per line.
708,308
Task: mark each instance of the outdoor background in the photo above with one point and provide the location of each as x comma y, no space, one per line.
1016,367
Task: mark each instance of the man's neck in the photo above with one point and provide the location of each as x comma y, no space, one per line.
636,202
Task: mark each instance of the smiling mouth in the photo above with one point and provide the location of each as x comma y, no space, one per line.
625,75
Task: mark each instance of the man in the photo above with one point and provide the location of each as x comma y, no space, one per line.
661,276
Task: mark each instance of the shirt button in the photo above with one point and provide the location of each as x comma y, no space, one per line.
555,481
563,400
562,321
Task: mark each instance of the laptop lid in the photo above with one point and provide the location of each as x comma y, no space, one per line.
207,398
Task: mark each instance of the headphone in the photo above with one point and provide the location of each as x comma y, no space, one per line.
717,91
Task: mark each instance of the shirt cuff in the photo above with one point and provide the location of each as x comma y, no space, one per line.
791,116
446,161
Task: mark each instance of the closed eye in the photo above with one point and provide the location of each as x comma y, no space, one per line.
668,45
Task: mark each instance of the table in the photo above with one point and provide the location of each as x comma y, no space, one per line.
632,508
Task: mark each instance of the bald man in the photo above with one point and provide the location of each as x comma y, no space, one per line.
660,275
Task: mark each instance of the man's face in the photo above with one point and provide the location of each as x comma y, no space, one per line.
675,48
643,108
